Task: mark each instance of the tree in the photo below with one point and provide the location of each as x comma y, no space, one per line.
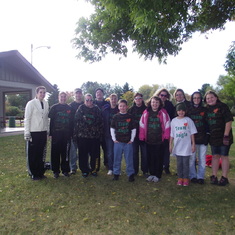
14,111
230,60
148,91
145,90
53,96
155,28
226,89
126,88
17,100
70,97
129,97
205,87
118,90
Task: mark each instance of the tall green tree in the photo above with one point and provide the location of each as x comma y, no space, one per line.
117,89
17,100
146,91
205,88
129,97
156,28
53,96
89,87
226,89
126,88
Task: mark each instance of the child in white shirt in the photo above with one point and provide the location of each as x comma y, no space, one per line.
182,134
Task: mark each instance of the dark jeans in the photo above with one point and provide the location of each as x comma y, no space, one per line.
183,166
36,153
140,145
155,159
60,147
166,154
104,148
89,147
110,152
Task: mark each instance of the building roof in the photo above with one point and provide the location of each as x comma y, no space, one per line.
15,60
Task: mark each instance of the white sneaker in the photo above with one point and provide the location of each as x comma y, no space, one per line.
110,172
150,178
155,179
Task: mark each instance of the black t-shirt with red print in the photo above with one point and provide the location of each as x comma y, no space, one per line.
217,116
123,125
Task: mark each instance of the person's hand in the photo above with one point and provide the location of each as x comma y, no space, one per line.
193,148
170,149
226,140
27,136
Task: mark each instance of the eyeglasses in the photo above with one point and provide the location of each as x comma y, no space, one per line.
162,95
89,100
138,98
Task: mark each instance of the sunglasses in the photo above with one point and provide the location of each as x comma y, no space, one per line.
163,95
138,98
89,100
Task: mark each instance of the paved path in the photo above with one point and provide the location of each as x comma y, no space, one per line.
11,131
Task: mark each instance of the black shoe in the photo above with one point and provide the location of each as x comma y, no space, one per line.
214,179
73,172
84,174
194,180
66,174
146,175
200,181
94,173
116,177
167,171
35,178
43,177
223,181
131,178
56,175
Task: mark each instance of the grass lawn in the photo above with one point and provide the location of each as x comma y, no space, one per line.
101,206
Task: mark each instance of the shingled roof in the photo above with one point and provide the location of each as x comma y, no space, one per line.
16,61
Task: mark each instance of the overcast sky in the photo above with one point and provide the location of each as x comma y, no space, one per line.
53,22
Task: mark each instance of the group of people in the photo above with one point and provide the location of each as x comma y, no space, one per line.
146,134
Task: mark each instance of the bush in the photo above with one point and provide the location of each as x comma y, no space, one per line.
13,111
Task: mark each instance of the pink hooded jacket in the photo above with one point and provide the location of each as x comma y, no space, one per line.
164,120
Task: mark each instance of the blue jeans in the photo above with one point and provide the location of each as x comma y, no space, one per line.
119,149
110,152
73,155
140,145
201,153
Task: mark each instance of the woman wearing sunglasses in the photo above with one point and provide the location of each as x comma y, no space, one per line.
88,126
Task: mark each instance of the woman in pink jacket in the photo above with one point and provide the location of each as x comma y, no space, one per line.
154,129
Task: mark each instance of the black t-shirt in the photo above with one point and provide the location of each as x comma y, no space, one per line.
154,132
123,124
61,118
217,116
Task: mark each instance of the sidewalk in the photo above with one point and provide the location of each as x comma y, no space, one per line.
8,131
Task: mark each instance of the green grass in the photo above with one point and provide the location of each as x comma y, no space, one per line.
101,206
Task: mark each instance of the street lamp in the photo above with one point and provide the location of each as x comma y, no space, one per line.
33,49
